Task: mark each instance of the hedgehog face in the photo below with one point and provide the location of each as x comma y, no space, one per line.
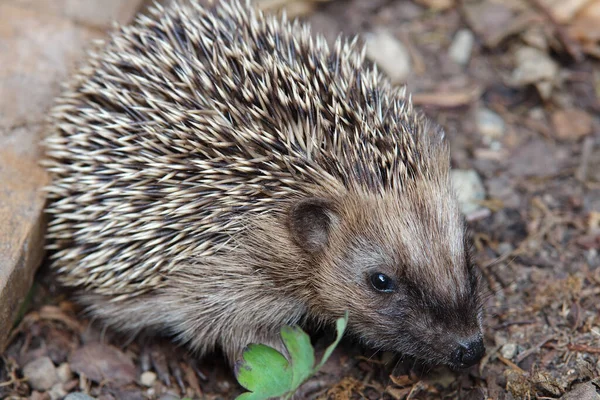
400,265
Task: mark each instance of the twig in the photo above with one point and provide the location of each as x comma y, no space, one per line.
534,349
511,364
579,348
447,99
12,382
511,323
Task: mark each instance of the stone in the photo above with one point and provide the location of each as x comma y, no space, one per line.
489,124
509,350
583,391
21,233
461,47
38,52
93,13
571,124
564,11
78,396
57,392
64,372
389,54
169,396
537,158
505,248
469,190
535,67
148,378
40,373
41,42
490,20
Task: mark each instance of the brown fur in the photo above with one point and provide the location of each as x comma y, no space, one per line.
219,173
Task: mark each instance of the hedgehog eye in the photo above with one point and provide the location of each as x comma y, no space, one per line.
382,282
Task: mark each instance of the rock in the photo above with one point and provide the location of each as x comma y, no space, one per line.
489,124
469,190
169,396
583,391
509,350
536,38
38,52
78,396
389,54
99,362
461,47
585,28
148,378
490,20
40,373
571,124
505,248
564,11
534,66
93,13
64,372
57,392
537,158
35,395
21,232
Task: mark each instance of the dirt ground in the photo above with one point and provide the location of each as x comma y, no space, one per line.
520,107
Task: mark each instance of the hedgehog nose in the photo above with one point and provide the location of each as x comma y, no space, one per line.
469,352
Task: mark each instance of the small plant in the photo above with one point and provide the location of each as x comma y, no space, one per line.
266,373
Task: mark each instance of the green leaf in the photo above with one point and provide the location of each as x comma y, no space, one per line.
263,371
266,373
302,354
340,327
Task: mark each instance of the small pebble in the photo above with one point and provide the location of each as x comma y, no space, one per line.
582,391
469,190
591,256
489,124
148,378
572,124
41,373
57,392
389,54
509,350
534,66
169,396
78,396
461,47
64,372
505,248
35,395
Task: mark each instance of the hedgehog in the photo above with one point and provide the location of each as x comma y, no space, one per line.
218,173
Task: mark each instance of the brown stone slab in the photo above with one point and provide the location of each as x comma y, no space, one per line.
98,14
21,232
37,53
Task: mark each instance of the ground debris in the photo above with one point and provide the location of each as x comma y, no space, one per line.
100,362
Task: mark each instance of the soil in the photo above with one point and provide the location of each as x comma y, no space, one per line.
536,235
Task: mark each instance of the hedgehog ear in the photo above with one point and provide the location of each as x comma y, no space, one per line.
310,221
